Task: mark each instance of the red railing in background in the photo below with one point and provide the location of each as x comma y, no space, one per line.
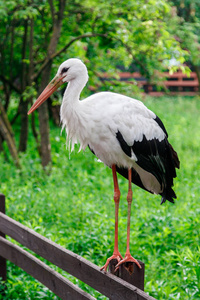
176,83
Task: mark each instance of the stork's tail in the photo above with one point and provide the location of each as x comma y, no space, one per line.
168,193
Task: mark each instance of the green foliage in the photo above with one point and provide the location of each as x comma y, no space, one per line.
37,36
29,91
132,32
186,25
73,206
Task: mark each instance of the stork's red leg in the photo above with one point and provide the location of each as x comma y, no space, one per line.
116,254
128,257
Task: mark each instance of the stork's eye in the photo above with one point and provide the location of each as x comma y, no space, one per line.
64,70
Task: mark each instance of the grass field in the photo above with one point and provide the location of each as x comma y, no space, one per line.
73,206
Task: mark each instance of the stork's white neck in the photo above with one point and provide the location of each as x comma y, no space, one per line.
70,112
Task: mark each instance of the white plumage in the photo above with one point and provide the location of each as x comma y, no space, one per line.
94,121
122,132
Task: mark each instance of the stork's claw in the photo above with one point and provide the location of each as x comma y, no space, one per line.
128,258
116,256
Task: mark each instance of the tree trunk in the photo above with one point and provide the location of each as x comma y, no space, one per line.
23,103
24,126
43,109
35,134
44,133
1,147
5,120
1,143
7,134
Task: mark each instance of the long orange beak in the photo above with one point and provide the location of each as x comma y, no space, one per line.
55,83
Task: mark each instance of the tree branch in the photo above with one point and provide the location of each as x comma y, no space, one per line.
61,11
76,39
52,10
48,59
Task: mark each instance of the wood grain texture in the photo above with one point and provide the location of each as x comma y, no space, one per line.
59,285
129,272
3,268
106,283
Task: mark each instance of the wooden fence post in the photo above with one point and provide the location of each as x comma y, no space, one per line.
129,272
2,260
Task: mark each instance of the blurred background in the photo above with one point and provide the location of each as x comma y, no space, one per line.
146,49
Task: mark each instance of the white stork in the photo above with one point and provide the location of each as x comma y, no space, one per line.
122,132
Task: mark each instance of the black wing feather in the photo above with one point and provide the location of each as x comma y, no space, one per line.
156,157
160,123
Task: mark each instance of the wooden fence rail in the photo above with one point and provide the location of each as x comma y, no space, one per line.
176,83
107,284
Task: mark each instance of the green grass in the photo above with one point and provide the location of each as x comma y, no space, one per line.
73,206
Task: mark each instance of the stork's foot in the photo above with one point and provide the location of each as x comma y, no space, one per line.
128,258
116,256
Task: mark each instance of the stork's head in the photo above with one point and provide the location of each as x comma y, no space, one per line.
69,70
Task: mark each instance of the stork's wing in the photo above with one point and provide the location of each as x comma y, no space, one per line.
156,157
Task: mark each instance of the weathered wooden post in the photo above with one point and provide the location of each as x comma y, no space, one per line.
2,260
129,272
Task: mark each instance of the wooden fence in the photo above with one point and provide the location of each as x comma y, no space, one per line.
106,283
176,83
